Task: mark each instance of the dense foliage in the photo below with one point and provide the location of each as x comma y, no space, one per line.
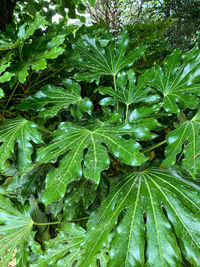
99,145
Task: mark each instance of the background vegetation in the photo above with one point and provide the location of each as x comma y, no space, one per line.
99,133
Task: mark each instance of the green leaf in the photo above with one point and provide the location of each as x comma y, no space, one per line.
80,195
90,55
22,256
140,113
38,52
5,62
127,92
18,131
176,80
26,30
59,98
5,43
150,218
1,93
32,182
68,240
187,134
92,2
74,139
15,229
6,77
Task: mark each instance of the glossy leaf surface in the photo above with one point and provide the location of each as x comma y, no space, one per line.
15,229
187,137
74,139
51,99
68,240
149,218
104,60
18,131
176,80
1,93
127,91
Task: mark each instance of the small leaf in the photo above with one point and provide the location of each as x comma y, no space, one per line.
1,93
6,77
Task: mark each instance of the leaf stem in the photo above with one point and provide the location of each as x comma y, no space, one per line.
127,108
50,223
44,130
20,52
79,219
155,146
115,86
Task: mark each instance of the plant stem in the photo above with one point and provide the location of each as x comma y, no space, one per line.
11,95
115,86
127,107
44,79
44,130
50,223
155,146
79,219
20,52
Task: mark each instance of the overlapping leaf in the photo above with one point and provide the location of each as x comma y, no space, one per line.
18,131
104,60
148,219
15,229
68,240
129,94
37,54
32,54
27,29
74,139
80,195
187,137
127,91
177,80
51,99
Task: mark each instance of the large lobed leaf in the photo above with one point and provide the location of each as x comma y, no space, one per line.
128,91
187,134
100,59
74,139
150,218
177,80
18,131
51,99
160,222
15,229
